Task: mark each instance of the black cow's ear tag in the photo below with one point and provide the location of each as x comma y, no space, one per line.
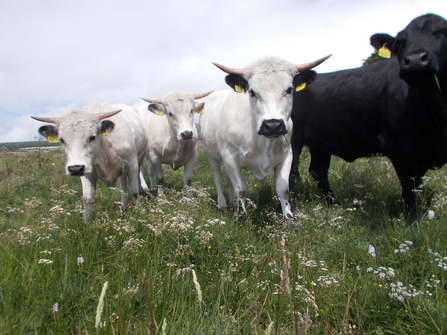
300,87
384,52
52,139
239,89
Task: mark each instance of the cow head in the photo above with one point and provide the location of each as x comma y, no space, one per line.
421,49
179,108
270,84
78,133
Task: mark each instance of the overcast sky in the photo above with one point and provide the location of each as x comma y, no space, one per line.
58,55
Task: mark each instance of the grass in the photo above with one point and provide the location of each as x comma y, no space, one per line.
178,266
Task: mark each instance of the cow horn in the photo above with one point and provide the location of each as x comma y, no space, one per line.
229,69
158,101
200,96
44,119
103,116
308,66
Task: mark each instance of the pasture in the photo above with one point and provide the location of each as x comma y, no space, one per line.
176,265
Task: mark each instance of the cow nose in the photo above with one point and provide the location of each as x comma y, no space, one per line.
415,61
186,135
76,170
272,128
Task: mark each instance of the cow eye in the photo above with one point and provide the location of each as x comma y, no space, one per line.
252,93
92,138
289,90
192,110
62,140
169,113
442,33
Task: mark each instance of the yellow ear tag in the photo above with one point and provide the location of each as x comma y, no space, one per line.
300,87
239,89
200,111
52,139
105,132
158,112
384,52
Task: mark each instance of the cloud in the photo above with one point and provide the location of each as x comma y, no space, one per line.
57,53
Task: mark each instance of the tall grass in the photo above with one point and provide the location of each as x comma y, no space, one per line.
178,266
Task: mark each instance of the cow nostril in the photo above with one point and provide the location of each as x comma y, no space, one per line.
424,57
187,135
76,170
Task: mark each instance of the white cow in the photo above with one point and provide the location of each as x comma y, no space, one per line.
250,128
171,135
103,141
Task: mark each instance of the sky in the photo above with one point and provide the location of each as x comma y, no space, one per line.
58,55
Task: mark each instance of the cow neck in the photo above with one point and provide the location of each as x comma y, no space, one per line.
436,99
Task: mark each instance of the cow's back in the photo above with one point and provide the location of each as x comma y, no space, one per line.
351,113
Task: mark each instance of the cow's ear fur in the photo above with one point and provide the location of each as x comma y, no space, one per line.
379,40
49,132
157,109
106,127
198,107
303,79
237,82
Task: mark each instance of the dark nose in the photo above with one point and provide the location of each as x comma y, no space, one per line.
76,170
272,128
415,61
186,135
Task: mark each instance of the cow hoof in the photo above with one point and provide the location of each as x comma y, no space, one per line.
222,209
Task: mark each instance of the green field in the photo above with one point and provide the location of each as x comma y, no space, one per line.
178,266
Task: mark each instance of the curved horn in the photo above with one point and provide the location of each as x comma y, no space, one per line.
200,96
158,101
44,119
229,69
103,116
308,66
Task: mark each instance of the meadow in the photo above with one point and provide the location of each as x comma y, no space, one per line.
176,265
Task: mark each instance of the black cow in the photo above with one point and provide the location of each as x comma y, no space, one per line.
395,107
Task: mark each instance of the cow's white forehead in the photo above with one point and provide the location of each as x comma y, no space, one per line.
269,65
173,97
75,120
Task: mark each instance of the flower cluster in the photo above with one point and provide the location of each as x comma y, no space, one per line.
403,248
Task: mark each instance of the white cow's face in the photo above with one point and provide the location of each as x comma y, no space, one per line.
179,108
271,97
78,132
269,84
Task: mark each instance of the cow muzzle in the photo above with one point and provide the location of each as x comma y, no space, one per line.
272,128
187,135
76,170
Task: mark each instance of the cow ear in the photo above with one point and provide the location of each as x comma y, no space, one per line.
383,43
50,133
106,127
302,79
157,109
198,107
237,82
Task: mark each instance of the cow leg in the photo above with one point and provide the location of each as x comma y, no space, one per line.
157,177
319,166
123,186
412,191
187,176
88,195
151,173
143,188
282,173
294,173
238,184
217,177
232,198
